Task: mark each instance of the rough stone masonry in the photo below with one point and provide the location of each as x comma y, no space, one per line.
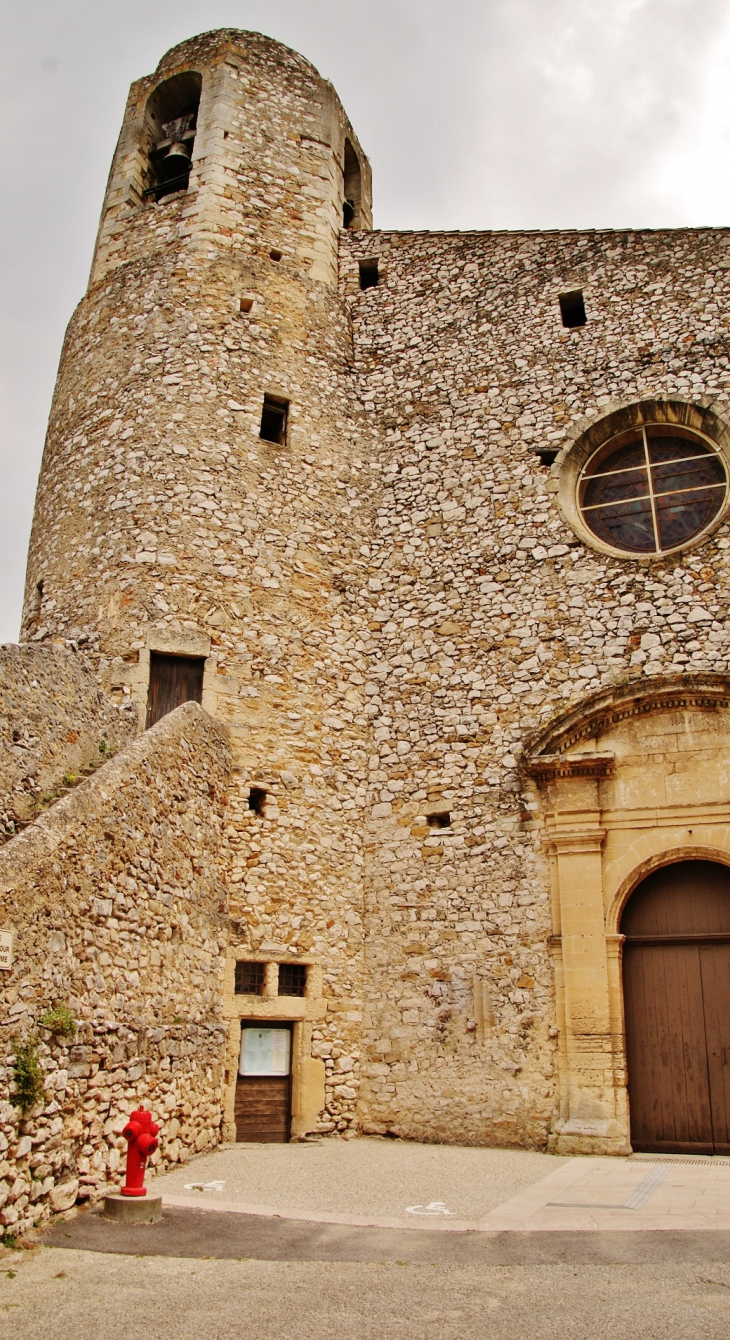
397,600
115,899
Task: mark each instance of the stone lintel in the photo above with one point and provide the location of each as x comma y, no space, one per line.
555,767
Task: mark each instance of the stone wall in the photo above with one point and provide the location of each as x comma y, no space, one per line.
115,900
487,615
54,722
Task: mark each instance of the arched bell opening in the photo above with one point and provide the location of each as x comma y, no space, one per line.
676,987
170,125
352,189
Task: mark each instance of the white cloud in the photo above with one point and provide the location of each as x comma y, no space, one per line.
476,114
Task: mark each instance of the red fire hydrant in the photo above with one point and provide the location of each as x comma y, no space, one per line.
140,1132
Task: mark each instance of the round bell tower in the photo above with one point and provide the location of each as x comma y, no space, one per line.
203,401
192,522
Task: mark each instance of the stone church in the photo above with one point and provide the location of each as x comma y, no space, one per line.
434,528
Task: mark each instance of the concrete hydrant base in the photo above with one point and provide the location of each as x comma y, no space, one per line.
133,1209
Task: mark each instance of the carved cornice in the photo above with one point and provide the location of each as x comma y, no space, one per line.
553,767
597,714
567,840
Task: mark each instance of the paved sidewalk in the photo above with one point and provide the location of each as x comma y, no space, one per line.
621,1195
395,1184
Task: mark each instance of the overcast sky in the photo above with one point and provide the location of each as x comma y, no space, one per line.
474,113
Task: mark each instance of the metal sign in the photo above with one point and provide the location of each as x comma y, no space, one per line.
6,950
265,1051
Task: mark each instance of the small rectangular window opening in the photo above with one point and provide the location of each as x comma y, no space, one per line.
275,255
246,304
257,801
250,979
292,979
572,308
369,274
442,820
273,419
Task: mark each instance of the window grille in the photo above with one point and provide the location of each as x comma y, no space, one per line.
292,979
250,979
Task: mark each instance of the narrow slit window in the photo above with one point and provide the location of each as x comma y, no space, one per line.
257,801
572,308
37,606
250,979
273,420
292,979
369,274
352,188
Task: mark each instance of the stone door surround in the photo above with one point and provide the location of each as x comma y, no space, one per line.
632,779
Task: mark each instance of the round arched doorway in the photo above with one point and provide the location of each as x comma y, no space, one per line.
676,974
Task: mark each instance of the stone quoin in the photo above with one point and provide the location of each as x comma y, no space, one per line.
434,527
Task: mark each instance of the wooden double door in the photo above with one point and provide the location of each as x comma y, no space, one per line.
676,974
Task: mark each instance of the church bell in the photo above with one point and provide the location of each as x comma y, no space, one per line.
176,163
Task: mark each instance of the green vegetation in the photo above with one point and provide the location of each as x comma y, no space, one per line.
60,1021
27,1075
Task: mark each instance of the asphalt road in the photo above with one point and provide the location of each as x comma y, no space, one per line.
71,1294
207,1234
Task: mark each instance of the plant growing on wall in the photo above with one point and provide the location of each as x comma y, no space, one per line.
59,1020
27,1075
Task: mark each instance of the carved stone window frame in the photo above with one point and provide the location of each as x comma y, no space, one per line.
698,416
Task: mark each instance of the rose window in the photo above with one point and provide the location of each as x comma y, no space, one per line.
652,489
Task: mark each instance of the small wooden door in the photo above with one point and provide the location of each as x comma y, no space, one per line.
263,1087
174,680
263,1109
677,1009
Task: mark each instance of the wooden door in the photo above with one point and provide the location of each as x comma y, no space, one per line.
669,1091
263,1108
263,1087
677,1009
715,967
174,680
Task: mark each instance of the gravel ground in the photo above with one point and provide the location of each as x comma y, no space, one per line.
366,1176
